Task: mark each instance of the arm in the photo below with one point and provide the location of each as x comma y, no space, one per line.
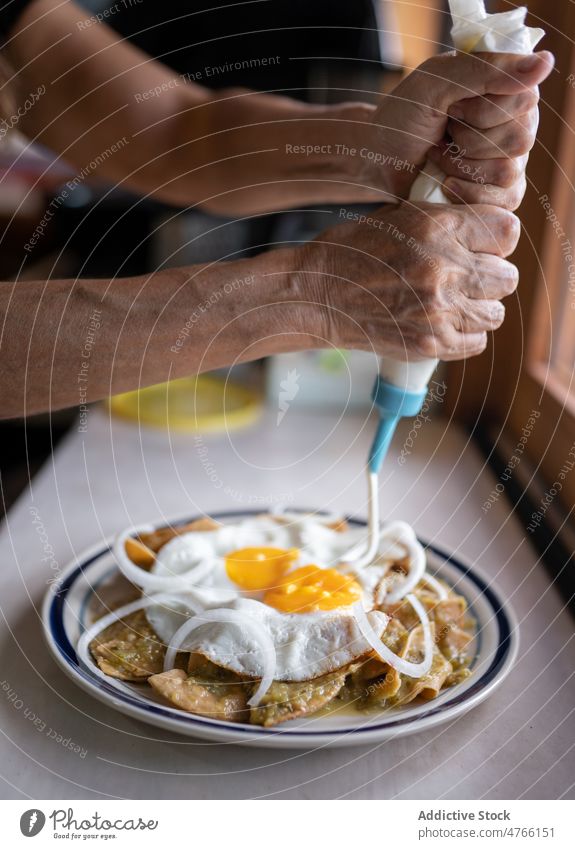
68,342
238,152
185,143
414,279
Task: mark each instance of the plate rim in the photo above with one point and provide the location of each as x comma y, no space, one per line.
190,725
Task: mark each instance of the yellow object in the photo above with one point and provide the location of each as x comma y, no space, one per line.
203,403
259,568
310,588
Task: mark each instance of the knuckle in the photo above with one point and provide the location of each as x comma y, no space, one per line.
518,141
529,100
478,113
509,228
509,199
475,345
518,194
513,201
426,225
426,228
428,295
497,314
510,202
506,172
434,316
509,279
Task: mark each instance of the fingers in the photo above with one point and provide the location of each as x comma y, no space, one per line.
453,77
491,172
491,278
514,138
450,345
481,316
500,182
464,191
468,335
493,110
464,345
487,229
491,137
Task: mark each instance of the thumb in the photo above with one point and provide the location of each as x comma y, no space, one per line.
450,77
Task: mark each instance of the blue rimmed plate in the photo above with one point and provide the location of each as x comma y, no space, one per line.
92,580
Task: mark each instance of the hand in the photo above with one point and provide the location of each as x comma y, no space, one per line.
414,280
487,105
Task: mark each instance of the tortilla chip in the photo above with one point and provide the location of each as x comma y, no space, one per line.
129,649
381,688
375,681
215,699
158,538
404,612
454,644
289,699
450,611
428,686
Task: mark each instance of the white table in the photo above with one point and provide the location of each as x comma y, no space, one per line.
514,745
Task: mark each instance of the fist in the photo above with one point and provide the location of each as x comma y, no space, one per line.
475,116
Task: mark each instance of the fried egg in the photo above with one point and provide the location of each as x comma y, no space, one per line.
306,645
273,598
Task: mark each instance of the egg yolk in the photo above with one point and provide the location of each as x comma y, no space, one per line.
310,588
259,568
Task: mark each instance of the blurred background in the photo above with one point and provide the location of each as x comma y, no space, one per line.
330,50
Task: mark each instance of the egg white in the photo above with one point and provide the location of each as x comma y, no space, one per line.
307,644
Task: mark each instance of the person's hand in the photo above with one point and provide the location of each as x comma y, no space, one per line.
474,115
413,281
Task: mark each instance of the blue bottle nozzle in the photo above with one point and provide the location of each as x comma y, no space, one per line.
381,441
392,403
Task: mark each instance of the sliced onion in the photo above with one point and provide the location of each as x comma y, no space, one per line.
438,588
232,617
405,667
149,580
83,646
398,532
404,534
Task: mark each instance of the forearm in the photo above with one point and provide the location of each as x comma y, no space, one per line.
233,152
66,343
269,152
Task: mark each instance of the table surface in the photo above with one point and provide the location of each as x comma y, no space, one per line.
518,744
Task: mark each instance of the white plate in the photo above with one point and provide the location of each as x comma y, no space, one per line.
66,615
